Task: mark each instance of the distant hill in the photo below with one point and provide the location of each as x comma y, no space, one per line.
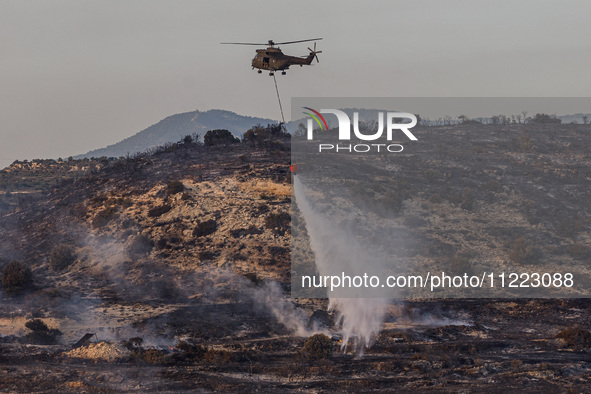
175,127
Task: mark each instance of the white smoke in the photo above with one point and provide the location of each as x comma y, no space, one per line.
267,296
285,312
337,250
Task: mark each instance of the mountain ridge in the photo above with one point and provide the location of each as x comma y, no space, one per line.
173,128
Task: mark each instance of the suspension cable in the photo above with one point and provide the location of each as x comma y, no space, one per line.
279,99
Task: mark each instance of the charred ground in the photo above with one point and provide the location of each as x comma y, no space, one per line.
181,268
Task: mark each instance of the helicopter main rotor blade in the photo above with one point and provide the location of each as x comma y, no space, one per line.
293,42
270,42
243,43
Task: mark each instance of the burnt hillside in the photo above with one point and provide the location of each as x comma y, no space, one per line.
467,198
179,261
162,198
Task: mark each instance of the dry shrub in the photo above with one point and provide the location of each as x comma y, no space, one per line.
279,222
16,274
575,337
262,208
175,187
492,185
104,217
124,202
392,201
318,347
159,210
140,246
577,251
217,356
40,333
254,278
196,351
525,143
467,200
516,364
240,232
206,255
61,257
570,228
154,356
460,264
134,343
522,252
185,196
203,229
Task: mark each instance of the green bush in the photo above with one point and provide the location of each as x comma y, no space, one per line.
318,347
61,257
16,274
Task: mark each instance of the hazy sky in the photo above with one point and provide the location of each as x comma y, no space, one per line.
79,75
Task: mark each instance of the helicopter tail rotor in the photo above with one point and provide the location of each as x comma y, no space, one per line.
314,52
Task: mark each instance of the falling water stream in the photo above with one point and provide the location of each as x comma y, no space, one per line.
337,250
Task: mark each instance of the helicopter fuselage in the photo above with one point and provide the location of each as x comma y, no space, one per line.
273,59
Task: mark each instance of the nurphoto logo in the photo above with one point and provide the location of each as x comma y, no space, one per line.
394,121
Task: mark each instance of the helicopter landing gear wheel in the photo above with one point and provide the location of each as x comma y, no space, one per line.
283,73
271,73
259,71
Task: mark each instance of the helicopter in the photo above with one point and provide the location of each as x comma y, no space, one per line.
273,59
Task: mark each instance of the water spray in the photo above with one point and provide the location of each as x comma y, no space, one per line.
337,250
